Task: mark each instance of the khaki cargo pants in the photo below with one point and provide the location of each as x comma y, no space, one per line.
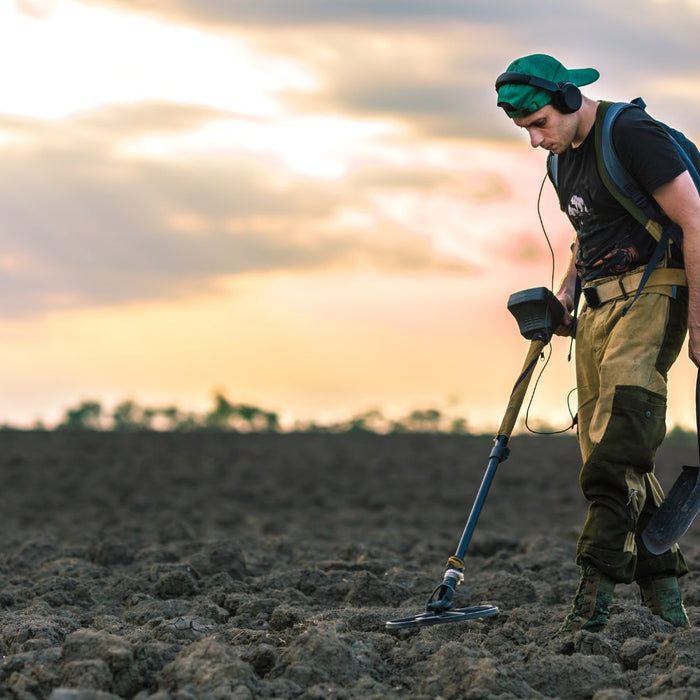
621,368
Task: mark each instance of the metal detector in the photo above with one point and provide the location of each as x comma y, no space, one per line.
538,313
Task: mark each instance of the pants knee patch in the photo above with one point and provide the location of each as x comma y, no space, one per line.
635,430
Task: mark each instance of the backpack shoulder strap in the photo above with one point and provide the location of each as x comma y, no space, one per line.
615,176
625,188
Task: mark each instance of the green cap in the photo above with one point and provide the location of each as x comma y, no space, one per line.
522,99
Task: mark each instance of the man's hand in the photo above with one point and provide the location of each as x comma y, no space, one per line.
567,301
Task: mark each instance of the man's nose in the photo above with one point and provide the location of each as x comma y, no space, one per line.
535,138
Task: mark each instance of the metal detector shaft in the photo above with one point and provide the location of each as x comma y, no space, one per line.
500,449
499,453
517,396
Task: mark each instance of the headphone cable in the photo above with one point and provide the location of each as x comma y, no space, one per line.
544,230
549,345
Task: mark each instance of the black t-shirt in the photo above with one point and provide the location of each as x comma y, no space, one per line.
610,240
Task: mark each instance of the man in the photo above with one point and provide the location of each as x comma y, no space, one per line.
622,360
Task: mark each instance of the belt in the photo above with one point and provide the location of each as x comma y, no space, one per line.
664,281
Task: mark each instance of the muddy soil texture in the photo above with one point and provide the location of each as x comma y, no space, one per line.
219,565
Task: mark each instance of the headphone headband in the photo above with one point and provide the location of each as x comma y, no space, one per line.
566,97
515,78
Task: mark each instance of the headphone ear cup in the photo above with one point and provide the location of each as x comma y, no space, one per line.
568,98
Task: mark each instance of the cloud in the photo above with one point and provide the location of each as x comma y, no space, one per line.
578,15
83,224
36,8
315,12
438,85
432,65
370,163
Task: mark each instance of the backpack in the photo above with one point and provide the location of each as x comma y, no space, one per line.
625,188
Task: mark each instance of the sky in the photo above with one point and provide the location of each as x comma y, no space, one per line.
313,206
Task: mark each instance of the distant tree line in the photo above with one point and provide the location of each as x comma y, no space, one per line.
226,415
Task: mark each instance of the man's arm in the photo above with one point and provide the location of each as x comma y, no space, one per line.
567,291
680,201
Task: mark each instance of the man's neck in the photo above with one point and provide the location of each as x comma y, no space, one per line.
586,120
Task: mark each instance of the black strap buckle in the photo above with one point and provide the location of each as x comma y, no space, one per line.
592,297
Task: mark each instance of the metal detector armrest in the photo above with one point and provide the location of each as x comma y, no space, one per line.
537,311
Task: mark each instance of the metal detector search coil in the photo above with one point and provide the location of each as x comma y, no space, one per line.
428,619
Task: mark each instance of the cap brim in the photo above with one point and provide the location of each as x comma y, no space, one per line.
583,76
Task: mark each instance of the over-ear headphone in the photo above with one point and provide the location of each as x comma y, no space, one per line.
566,97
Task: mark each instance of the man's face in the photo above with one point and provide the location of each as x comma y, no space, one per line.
549,129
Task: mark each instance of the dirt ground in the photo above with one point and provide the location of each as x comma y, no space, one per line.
179,566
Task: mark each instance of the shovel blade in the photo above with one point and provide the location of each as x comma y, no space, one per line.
676,514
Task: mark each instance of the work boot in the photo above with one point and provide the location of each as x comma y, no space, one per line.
663,597
591,607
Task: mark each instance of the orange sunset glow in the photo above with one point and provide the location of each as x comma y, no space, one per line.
313,207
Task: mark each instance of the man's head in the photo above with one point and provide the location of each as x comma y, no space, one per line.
532,82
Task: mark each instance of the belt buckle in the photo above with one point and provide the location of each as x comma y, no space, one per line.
592,297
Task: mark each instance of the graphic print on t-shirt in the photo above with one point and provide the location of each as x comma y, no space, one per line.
576,211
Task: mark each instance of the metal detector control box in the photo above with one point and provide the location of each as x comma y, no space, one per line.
537,311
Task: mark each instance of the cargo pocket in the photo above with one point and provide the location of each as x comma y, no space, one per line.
635,430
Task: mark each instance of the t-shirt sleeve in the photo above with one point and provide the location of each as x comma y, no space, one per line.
646,150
